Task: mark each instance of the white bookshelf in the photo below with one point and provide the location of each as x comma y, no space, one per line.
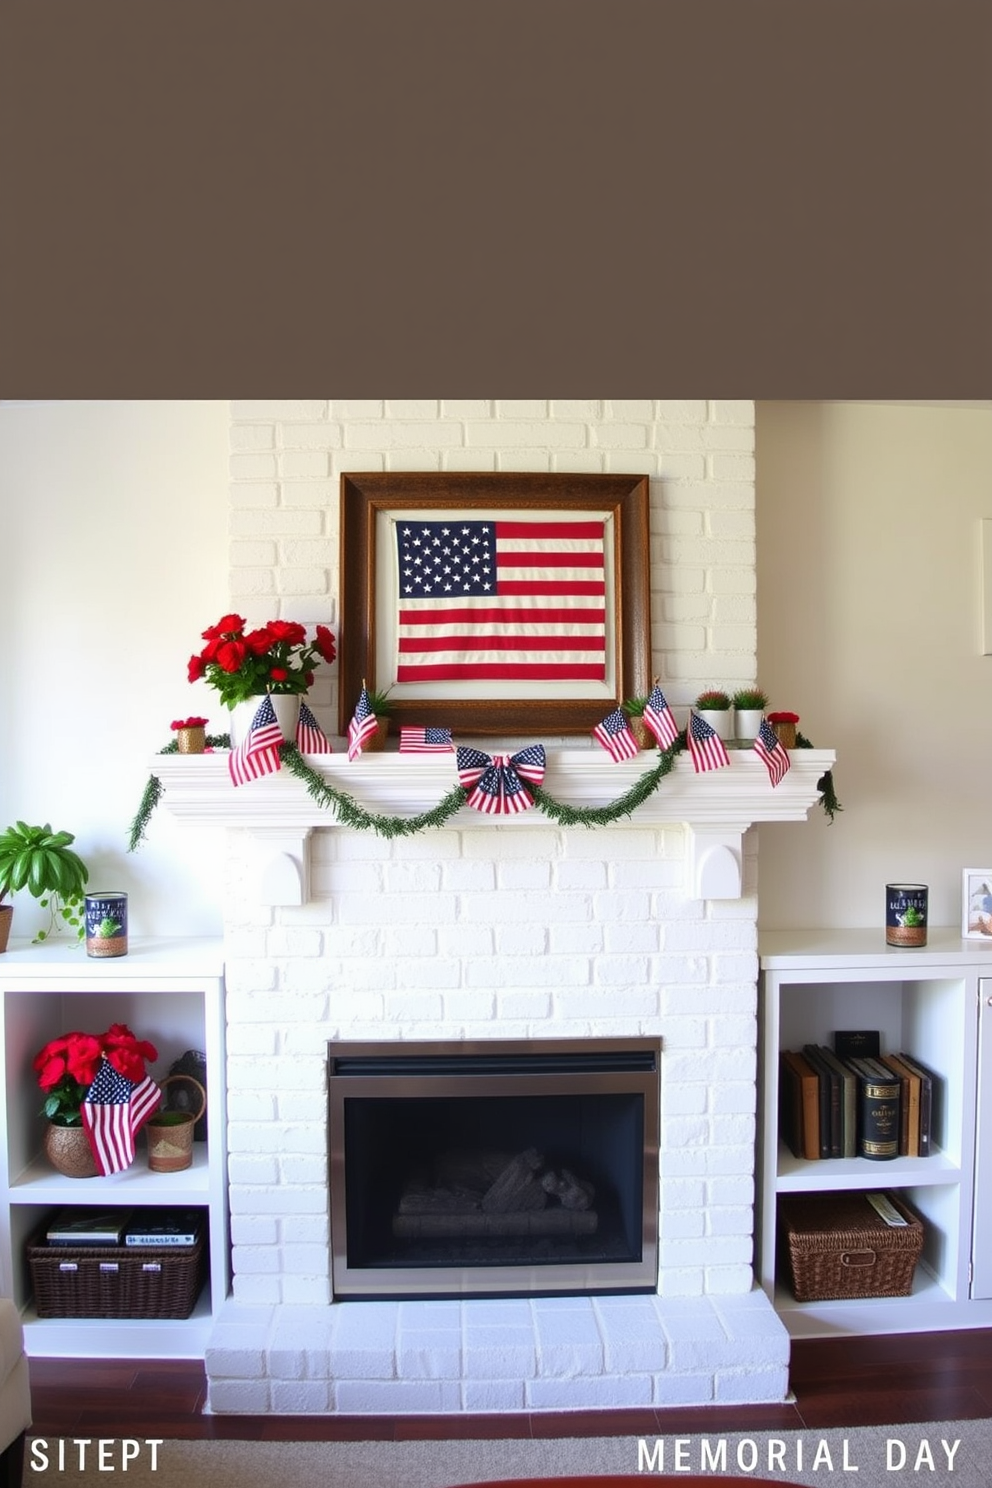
170,992
928,1002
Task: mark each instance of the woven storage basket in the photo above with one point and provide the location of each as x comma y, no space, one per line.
114,1281
835,1245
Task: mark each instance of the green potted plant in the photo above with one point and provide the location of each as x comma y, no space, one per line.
382,706
749,709
713,705
41,861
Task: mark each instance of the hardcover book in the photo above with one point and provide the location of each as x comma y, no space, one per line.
799,1105
87,1226
830,1102
150,1227
857,1043
930,1088
848,1102
909,1142
880,1099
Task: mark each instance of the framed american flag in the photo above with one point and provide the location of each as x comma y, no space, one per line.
495,603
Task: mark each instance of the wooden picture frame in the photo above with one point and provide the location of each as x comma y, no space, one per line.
371,505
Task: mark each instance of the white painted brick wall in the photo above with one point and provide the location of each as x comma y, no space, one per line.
483,933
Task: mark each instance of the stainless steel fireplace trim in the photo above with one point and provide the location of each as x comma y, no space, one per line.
618,1276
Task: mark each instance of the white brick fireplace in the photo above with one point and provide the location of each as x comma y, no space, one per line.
476,931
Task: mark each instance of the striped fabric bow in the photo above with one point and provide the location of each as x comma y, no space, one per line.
496,782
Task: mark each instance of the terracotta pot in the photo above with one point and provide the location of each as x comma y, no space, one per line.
378,739
645,738
68,1150
6,915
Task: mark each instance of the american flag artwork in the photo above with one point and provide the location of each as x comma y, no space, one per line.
615,735
362,726
419,740
501,600
769,747
113,1110
259,754
705,745
659,718
496,782
310,737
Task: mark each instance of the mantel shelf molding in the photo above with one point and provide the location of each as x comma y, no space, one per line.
716,808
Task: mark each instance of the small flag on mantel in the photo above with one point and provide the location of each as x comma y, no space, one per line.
310,737
615,735
705,745
362,726
415,740
768,747
258,755
660,719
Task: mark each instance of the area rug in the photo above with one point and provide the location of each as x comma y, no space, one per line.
957,1454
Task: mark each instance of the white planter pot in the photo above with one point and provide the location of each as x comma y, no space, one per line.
747,722
720,720
286,706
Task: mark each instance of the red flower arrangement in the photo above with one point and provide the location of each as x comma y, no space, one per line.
783,718
181,723
66,1067
276,657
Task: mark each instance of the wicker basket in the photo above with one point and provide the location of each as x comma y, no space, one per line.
115,1282
835,1245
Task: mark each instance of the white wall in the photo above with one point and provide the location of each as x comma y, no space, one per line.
113,535
868,627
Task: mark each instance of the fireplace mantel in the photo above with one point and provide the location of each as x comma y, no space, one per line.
716,808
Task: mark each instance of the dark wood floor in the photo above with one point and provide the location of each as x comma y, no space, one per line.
836,1382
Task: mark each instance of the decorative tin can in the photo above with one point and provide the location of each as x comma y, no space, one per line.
906,914
106,924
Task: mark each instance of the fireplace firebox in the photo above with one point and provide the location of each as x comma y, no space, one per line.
493,1168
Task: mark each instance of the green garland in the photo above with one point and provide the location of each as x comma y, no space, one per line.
351,814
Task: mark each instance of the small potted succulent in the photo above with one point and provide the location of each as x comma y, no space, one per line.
634,712
382,706
749,709
713,706
41,861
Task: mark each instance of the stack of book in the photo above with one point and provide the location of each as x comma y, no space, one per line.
854,1101
142,1228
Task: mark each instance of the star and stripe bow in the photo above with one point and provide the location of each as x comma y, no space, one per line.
660,719
496,782
705,745
614,733
769,748
113,1110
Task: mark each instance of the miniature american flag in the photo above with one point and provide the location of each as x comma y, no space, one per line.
659,718
259,754
362,726
425,741
498,780
769,747
705,745
310,737
113,1110
615,736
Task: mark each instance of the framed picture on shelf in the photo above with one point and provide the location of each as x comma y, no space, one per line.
495,603
976,908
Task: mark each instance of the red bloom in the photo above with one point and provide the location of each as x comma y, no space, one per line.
227,625
196,668
126,1053
259,641
83,1058
783,718
325,643
278,674
288,630
230,655
180,723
